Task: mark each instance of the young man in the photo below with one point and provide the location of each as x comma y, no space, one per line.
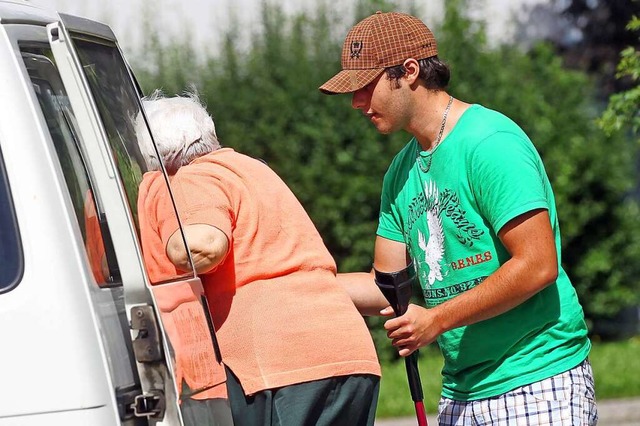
468,201
296,350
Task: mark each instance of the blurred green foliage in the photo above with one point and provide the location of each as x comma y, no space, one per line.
265,102
624,108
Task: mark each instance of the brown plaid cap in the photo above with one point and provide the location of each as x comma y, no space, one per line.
380,41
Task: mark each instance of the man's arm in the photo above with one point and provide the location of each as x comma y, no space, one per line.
532,267
389,256
208,246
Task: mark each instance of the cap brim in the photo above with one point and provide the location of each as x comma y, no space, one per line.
347,81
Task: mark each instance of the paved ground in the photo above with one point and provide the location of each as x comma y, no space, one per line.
617,412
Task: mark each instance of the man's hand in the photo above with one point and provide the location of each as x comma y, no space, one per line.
411,331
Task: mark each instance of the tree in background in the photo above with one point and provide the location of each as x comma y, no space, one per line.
265,101
622,115
588,34
601,25
624,107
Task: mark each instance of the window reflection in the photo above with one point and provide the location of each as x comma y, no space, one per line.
107,296
60,119
119,106
200,376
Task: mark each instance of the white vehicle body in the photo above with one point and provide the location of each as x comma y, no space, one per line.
81,337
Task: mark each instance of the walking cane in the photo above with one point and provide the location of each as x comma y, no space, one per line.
396,288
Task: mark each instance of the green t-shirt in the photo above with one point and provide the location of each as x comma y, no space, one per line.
448,211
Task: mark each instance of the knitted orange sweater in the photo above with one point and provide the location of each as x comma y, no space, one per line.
281,316
179,302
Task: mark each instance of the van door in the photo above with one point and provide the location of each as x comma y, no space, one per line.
77,342
182,369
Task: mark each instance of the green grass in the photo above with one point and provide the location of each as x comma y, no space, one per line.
395,398
615,369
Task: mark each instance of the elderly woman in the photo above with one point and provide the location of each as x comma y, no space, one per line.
200,376
296,350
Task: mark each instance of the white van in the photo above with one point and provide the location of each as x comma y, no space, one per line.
86,337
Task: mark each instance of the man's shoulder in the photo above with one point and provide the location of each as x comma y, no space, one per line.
486,118
479,123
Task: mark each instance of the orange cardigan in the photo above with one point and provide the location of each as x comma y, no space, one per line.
179,305
280,314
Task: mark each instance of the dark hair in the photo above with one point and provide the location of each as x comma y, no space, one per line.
434,73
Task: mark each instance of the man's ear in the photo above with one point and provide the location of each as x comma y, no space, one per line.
411,70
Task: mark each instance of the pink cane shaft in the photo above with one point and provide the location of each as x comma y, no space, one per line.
421,414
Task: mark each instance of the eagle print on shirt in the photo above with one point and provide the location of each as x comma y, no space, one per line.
433,248
424,233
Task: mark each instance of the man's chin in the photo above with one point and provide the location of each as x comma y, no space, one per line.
384,130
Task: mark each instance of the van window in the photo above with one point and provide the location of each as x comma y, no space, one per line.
119,107
108,295
183,310
10,250
60,120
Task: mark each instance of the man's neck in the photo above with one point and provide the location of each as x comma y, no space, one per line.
428,121
431,126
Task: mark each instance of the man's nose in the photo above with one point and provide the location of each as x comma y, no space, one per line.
359,99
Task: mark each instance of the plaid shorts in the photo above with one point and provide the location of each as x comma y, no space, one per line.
567,399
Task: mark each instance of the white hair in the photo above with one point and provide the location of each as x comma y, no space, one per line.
181,127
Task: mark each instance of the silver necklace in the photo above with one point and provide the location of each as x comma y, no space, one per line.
426,167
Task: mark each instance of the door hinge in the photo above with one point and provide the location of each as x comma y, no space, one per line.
146,346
